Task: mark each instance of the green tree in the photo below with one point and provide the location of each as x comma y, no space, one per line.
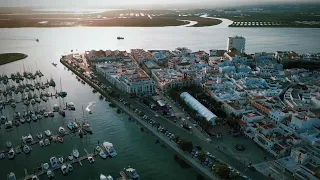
186,145
222,171
202,155
234,175
176,138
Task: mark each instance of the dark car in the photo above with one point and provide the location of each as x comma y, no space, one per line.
252,168
198,147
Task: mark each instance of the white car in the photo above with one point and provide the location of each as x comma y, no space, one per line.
156,115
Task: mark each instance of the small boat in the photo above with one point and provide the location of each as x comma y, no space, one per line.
8,144
37,40
62,131
38,100
22,120
41,143
51,114
54,64
80,132
2,156
39,116
103,177
18,150
26,102
28,120
62,113
91,159
13,105
53,162
60,159
46,142
26,149
119,38
45,166
70,168
56,108
47,133
16,123
60,139
11,153
39,135
12,176
70,157
75,153
33,101
8,125
87,128
71,106
50,174
45,114
71,126
98,149
3,119
131,173
34,177
16,115
109,147
34,117
64,169
102,155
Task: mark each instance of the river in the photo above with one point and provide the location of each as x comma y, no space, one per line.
134,148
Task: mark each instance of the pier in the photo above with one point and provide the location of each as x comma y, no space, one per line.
74,161
192,162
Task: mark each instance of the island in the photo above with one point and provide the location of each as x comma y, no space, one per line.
119,18
6,58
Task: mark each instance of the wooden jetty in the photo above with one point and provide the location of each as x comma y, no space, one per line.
74,161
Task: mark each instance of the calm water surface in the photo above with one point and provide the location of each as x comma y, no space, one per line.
134,147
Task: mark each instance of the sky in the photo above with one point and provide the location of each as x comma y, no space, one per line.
135,3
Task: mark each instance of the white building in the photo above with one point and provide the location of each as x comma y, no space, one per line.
252,116
237,42
196,105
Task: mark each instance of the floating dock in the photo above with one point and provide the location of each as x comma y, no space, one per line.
74,161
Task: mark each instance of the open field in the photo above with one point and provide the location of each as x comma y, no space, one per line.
11,57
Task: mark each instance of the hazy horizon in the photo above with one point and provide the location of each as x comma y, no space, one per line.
144,3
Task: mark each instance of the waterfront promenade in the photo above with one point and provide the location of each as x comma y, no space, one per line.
177,130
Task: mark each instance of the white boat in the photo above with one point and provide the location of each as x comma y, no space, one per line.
70,168
131,173
11,153
39,116
70,157
17,115
18,150
27,139
8,124
91,159
50,174
53,162
41,143
13,105
47,132
28,120
39,135
12,176
8,144
34,177
46,142
102,155
71,106
22,120
51,114
26,149
3,119
109,148
81,133
64,169
87,128
98,149
45,114
56,108
45,166
103,177
38,100
62,131
33,101
34,117
75,153
60,159
2,156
